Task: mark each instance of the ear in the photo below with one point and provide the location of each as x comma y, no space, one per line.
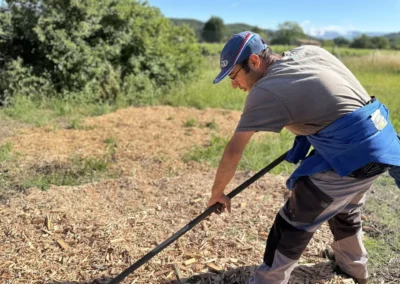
254,62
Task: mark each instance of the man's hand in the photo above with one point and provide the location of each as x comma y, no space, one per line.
227,167
223,199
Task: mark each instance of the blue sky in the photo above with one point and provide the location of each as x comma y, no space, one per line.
313,15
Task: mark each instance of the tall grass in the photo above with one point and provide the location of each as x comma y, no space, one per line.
202,93
379,75
42,111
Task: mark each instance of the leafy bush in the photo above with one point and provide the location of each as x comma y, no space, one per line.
92,50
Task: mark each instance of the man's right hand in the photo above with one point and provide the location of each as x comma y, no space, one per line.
223,199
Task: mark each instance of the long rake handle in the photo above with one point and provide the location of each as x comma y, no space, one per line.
194,222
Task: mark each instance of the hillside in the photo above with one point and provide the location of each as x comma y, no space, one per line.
230,28
269,33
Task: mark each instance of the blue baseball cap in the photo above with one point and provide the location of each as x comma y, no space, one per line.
239,48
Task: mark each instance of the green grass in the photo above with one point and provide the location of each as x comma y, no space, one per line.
111,146
212,125
379,76
27,110
190,122
5,152
379,252
78,171
383,246
258,153
43,111
75,171
202,93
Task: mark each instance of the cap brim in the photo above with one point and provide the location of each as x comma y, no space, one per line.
223,74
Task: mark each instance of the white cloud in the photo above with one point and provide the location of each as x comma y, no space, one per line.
305,23
313,30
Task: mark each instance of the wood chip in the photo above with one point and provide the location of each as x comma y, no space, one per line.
62,244
198,267
263,234
189,261
178,272
192,254
48,222
37,221
161,272
214,267
117,240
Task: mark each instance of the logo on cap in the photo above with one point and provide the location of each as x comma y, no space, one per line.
224,63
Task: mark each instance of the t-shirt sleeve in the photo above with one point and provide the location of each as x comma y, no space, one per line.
263,111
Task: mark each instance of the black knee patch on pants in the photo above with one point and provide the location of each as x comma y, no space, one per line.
345,225
306,203
287,239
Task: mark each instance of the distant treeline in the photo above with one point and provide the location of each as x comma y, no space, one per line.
214,30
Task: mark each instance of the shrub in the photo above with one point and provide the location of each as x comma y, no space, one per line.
92,50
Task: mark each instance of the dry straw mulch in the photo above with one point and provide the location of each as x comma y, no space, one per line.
78,234
88,233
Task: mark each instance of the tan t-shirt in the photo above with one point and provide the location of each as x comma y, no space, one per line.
305,91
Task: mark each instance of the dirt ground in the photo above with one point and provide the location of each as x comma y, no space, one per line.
88,233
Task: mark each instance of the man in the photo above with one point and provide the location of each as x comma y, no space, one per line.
313,95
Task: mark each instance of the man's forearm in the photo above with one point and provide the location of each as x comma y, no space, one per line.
226,170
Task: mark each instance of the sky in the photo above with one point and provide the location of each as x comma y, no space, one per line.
314,16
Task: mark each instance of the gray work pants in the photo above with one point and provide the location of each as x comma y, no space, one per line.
315,199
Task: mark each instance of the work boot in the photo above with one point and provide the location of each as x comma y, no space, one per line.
339,271
329,254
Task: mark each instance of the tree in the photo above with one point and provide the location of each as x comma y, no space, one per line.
395,43
287,33
362,41
380,42
259,31
341,41
213,30
377,42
